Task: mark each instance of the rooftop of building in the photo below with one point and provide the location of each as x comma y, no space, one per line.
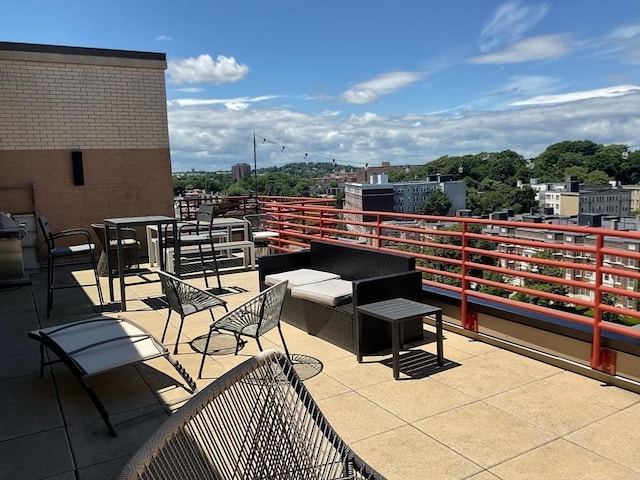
487,414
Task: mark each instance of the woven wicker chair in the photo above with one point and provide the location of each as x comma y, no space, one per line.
257,421
130,248
252,319
186,300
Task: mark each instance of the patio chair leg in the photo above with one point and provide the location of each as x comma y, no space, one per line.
166,326
175,349
239,342
97,277
75,370
204,267
284,344
99,406
50,286
204,354
215,266
41,360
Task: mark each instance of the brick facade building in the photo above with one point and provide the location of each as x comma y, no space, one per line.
83,134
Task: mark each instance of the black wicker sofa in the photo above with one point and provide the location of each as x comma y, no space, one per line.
373,276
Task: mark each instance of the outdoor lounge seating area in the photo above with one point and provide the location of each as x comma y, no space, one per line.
328,281
487,413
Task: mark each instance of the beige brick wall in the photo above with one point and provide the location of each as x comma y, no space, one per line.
55,105
111,105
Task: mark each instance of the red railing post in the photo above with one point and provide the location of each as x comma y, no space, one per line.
469,321
596,354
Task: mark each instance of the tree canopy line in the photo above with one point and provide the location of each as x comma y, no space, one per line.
491,177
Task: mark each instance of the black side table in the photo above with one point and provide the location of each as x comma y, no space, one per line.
398,311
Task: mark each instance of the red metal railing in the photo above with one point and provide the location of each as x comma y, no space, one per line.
187,207
591,274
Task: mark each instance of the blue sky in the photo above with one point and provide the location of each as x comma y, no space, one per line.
367,81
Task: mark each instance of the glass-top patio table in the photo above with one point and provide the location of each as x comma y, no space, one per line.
118,224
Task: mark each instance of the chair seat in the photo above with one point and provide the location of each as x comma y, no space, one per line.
186,300
264,236
72,250
103,343
199,304
196,238
126,243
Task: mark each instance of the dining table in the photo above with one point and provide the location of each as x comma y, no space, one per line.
122,222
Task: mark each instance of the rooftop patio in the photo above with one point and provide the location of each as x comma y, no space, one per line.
487,414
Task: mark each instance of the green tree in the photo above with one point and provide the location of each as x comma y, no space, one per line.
436,203
548,286
597,177
498,278
448,253
522,200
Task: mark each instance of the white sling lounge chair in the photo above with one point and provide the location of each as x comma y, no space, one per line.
99,344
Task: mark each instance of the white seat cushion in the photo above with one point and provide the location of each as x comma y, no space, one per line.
330,292
299,277
262,236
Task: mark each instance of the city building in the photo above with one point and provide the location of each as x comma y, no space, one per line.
240,170
635,198
572,198
409,196
404,197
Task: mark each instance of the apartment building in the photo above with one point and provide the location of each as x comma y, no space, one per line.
571,198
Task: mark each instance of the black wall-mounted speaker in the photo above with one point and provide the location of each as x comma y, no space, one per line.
78,168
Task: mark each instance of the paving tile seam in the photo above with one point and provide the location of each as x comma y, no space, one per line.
550,430
518,372
448,447
593,452
526,451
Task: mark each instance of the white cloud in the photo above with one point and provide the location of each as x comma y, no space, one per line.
236,104
371,90
607,92
164,38
189,89
205,69
509,23
208,138
533,48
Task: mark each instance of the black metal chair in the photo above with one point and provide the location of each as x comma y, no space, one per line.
65,251
256,421
186,300
252,319
198,234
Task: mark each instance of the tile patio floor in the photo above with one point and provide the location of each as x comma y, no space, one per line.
488,414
